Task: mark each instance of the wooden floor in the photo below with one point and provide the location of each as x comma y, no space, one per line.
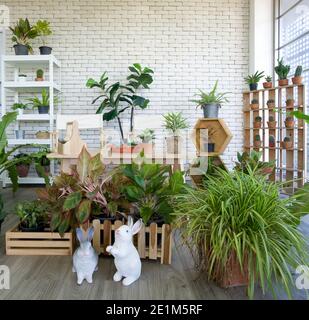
52,278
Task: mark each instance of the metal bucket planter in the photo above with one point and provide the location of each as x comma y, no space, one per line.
211,110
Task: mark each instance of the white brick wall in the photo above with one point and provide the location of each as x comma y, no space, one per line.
189,44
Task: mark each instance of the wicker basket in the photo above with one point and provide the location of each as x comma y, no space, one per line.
42,135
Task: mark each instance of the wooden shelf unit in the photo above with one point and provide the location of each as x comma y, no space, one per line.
290,163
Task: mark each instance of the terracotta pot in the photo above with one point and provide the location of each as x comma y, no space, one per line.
267,85
257,125
22,170
271,105
39,79
272,144
173,144
283,82
287,145
122,149
272,124
289,123
297,80
254,106
146,147
290,103
257,144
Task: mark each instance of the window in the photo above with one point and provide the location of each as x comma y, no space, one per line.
292,37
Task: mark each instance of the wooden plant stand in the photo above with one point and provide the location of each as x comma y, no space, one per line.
290,163
20,243
152,242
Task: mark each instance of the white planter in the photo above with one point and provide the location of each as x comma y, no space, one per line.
22,78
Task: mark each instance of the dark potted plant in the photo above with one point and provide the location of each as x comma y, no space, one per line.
270,104
24,160
32,216
257,141
289,122
268,83
272,123
290,103
41,104
272,141
211,102
254,79
282,71
39,75
254,104
43,30
298,79
174,122
287,143
257,124
23,33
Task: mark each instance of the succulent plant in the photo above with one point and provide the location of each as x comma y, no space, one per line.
258,119
298,71
254,101
272,139
268,79
289,118
257,137
282,70
254,78
39,73
271,119
287,139
269,101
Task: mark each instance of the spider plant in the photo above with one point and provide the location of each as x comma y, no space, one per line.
242,214
254,78
174,121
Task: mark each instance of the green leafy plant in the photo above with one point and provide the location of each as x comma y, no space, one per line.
147,135
257,137
300,115
39,73
258,119
268,79
117,98
21,106
43,30
270,101
282,70
211,98
44,101
174,121
242,215
23,33
254,78
287,139
254,101
298,71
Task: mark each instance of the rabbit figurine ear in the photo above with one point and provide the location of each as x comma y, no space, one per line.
137,226
130,222
79,234
90,233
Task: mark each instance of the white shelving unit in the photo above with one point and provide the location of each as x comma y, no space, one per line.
51,66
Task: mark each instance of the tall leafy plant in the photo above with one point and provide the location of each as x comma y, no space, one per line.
175,121
282,70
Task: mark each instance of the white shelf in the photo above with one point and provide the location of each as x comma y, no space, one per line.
30,86
31,60
13,142
27,180
33,117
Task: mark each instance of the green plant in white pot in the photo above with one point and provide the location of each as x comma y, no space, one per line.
211,102
242,232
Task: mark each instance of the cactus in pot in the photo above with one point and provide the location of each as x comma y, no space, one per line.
289,122
272,141
257,141
39,75
271,122
268,83
254,104
287,143
298,79
257,124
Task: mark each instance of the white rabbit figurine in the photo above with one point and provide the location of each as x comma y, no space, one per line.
85,259
127,259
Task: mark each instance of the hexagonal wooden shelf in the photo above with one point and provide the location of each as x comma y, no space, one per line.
219,132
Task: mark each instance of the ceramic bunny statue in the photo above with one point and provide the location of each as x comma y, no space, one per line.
85,259
127,259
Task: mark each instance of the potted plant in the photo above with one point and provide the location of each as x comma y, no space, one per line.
298,79
282,71
272,141
268,83
42,163
241,232
254,79
270,104
22,77
289,122
23,33
147,137
257,141
174,122
41,104
43,30
32,216
255,104
257,124
290,103
39,75
42,134
272,123
211,102
287,143
23,164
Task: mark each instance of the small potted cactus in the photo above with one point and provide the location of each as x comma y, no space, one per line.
298,79
257,141
39,75
270,104
287,143
272,123
268,83
290,103
257,124
254,104
289,122
282,71
272,141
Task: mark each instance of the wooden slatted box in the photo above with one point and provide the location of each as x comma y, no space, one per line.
38,243
152,242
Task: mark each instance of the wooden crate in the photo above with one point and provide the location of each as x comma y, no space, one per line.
152,242
20,243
